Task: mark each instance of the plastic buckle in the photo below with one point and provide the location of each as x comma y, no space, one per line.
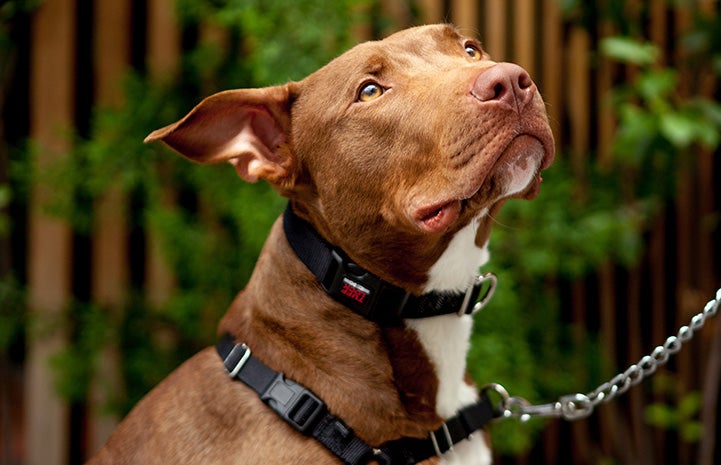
294,403
472,302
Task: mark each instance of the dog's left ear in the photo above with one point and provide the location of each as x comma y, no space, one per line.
250,128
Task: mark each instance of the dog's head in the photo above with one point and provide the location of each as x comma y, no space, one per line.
389,150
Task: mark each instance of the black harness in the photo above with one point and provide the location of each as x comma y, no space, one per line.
382,303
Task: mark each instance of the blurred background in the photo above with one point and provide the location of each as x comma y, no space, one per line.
117,259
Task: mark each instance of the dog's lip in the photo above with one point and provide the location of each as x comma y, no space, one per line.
438,217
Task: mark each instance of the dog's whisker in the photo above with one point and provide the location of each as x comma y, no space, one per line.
497,222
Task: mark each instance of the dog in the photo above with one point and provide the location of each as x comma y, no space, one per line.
395,156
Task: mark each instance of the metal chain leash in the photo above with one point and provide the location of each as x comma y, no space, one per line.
578,406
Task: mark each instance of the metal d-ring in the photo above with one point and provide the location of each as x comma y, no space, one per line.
492,281
474,291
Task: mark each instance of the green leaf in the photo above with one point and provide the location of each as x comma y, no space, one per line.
678,129
655,85
690,405
692,431
627,50
661,415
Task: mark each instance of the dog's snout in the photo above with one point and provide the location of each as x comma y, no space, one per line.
504,84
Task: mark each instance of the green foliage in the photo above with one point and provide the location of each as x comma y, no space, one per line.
654,120
285,39
681,416
75,364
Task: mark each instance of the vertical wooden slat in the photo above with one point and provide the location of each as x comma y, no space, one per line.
494,31
432,11
163,40
578,98
163,63
658,242
464,14
633,353
49,244
579,430
110,250
686,239
658,28
525,34
608,416
658,250
606,123
551,67
710,373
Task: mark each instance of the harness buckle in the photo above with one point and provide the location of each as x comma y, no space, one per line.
294,403
472,302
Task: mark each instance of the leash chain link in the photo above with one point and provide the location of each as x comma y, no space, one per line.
579,405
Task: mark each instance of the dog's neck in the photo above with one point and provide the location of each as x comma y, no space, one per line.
418,368
446,339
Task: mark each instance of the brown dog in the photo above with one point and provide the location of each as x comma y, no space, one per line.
398,153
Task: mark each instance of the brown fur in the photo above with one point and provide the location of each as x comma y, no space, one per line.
357,171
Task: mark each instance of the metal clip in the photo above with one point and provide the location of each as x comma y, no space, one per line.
527,411
518,407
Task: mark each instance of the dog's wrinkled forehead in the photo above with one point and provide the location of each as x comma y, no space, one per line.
423,43
415,48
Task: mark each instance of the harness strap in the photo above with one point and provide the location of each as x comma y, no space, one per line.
362,291
308,414
294,403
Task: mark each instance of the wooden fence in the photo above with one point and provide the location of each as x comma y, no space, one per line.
60,60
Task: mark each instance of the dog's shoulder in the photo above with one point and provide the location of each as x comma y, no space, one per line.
227,418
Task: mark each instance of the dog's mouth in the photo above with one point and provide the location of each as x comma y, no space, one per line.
516,173
438,217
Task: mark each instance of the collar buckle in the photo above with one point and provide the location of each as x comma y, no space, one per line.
362,291
473,302
351,284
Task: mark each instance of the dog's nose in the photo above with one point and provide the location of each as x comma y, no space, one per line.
505,84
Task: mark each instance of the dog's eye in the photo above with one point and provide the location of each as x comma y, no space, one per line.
473,52
370,91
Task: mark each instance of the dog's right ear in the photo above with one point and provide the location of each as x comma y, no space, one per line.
250,128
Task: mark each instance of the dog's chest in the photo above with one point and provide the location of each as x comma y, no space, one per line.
446,340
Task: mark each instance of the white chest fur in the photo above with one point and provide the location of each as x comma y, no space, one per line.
446,340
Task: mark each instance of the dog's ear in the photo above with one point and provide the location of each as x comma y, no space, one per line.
250,128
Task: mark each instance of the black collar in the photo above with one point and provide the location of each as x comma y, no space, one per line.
366,293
